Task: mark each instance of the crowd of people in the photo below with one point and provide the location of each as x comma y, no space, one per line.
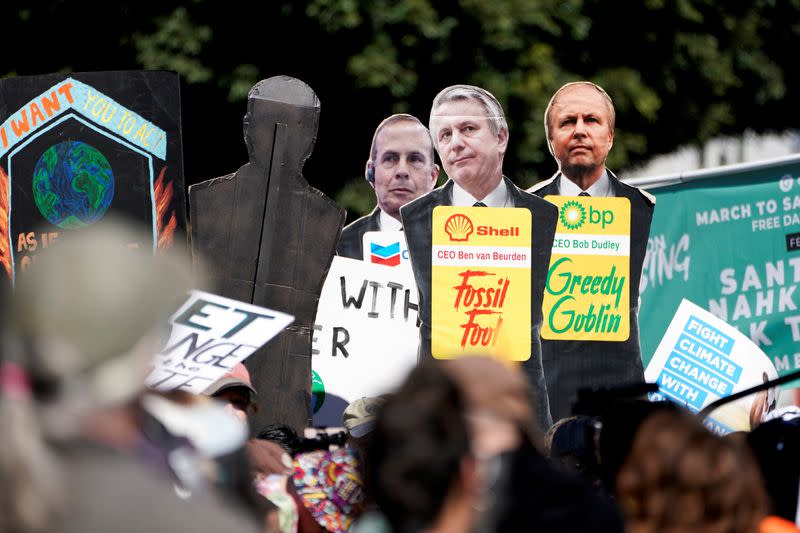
462,445
455,448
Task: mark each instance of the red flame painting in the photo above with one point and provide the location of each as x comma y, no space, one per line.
5,240
163,195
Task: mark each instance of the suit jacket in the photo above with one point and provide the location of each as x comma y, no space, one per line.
572,365
417,223
351,242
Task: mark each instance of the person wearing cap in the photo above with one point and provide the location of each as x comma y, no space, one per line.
360,415
359,419
235,389
83,326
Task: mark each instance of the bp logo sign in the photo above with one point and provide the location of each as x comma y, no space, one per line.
573,215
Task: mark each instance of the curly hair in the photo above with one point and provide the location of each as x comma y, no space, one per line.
681,478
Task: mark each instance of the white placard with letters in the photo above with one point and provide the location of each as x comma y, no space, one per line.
210,334
365,334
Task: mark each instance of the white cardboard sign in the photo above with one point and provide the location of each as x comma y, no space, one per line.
701,359
211,334
365,334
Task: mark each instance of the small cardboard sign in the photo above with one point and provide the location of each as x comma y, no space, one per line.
701,359
481,282
387,248
587,292
365,334
210,335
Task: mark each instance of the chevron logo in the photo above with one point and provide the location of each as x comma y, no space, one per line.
388,255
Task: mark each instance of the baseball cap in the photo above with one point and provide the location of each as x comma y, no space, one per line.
360,416
237,377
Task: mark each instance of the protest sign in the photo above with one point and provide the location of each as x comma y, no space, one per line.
481,282
75,147
728,239
365,334
587,291
701,359
386,248
210,334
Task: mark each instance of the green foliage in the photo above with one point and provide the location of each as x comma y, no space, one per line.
240,81
357,197
679,71
176,44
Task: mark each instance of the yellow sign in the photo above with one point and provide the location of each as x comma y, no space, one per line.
481,282
587,295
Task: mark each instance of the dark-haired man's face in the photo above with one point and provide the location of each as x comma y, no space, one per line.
237,401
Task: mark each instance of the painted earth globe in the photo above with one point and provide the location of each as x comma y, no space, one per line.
73,184
317,392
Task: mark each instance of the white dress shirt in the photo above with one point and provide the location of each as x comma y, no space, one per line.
499,197
388,222
601,188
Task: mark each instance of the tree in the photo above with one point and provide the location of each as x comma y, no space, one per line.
680,71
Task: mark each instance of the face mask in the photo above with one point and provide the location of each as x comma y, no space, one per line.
497,470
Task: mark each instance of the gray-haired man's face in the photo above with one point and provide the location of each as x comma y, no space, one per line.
471,153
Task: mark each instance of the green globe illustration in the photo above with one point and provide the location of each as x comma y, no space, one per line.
317,392
73,184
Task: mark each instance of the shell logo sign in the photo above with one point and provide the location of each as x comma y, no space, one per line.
458,227
481,282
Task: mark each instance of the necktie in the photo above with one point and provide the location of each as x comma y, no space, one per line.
584,193
479,204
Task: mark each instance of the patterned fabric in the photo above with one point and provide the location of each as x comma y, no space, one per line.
273,488
330,485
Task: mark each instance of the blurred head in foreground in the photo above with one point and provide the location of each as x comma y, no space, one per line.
497,403
79,334
90,313
681,478
422,472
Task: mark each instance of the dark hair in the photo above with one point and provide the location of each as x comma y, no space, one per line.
620,423
680,477
282,435
323,441
417,448
570,445
776,446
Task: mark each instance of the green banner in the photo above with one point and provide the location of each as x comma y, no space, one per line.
729,241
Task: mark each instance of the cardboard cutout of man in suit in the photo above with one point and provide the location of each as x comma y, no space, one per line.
579,125
470,133
400,168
